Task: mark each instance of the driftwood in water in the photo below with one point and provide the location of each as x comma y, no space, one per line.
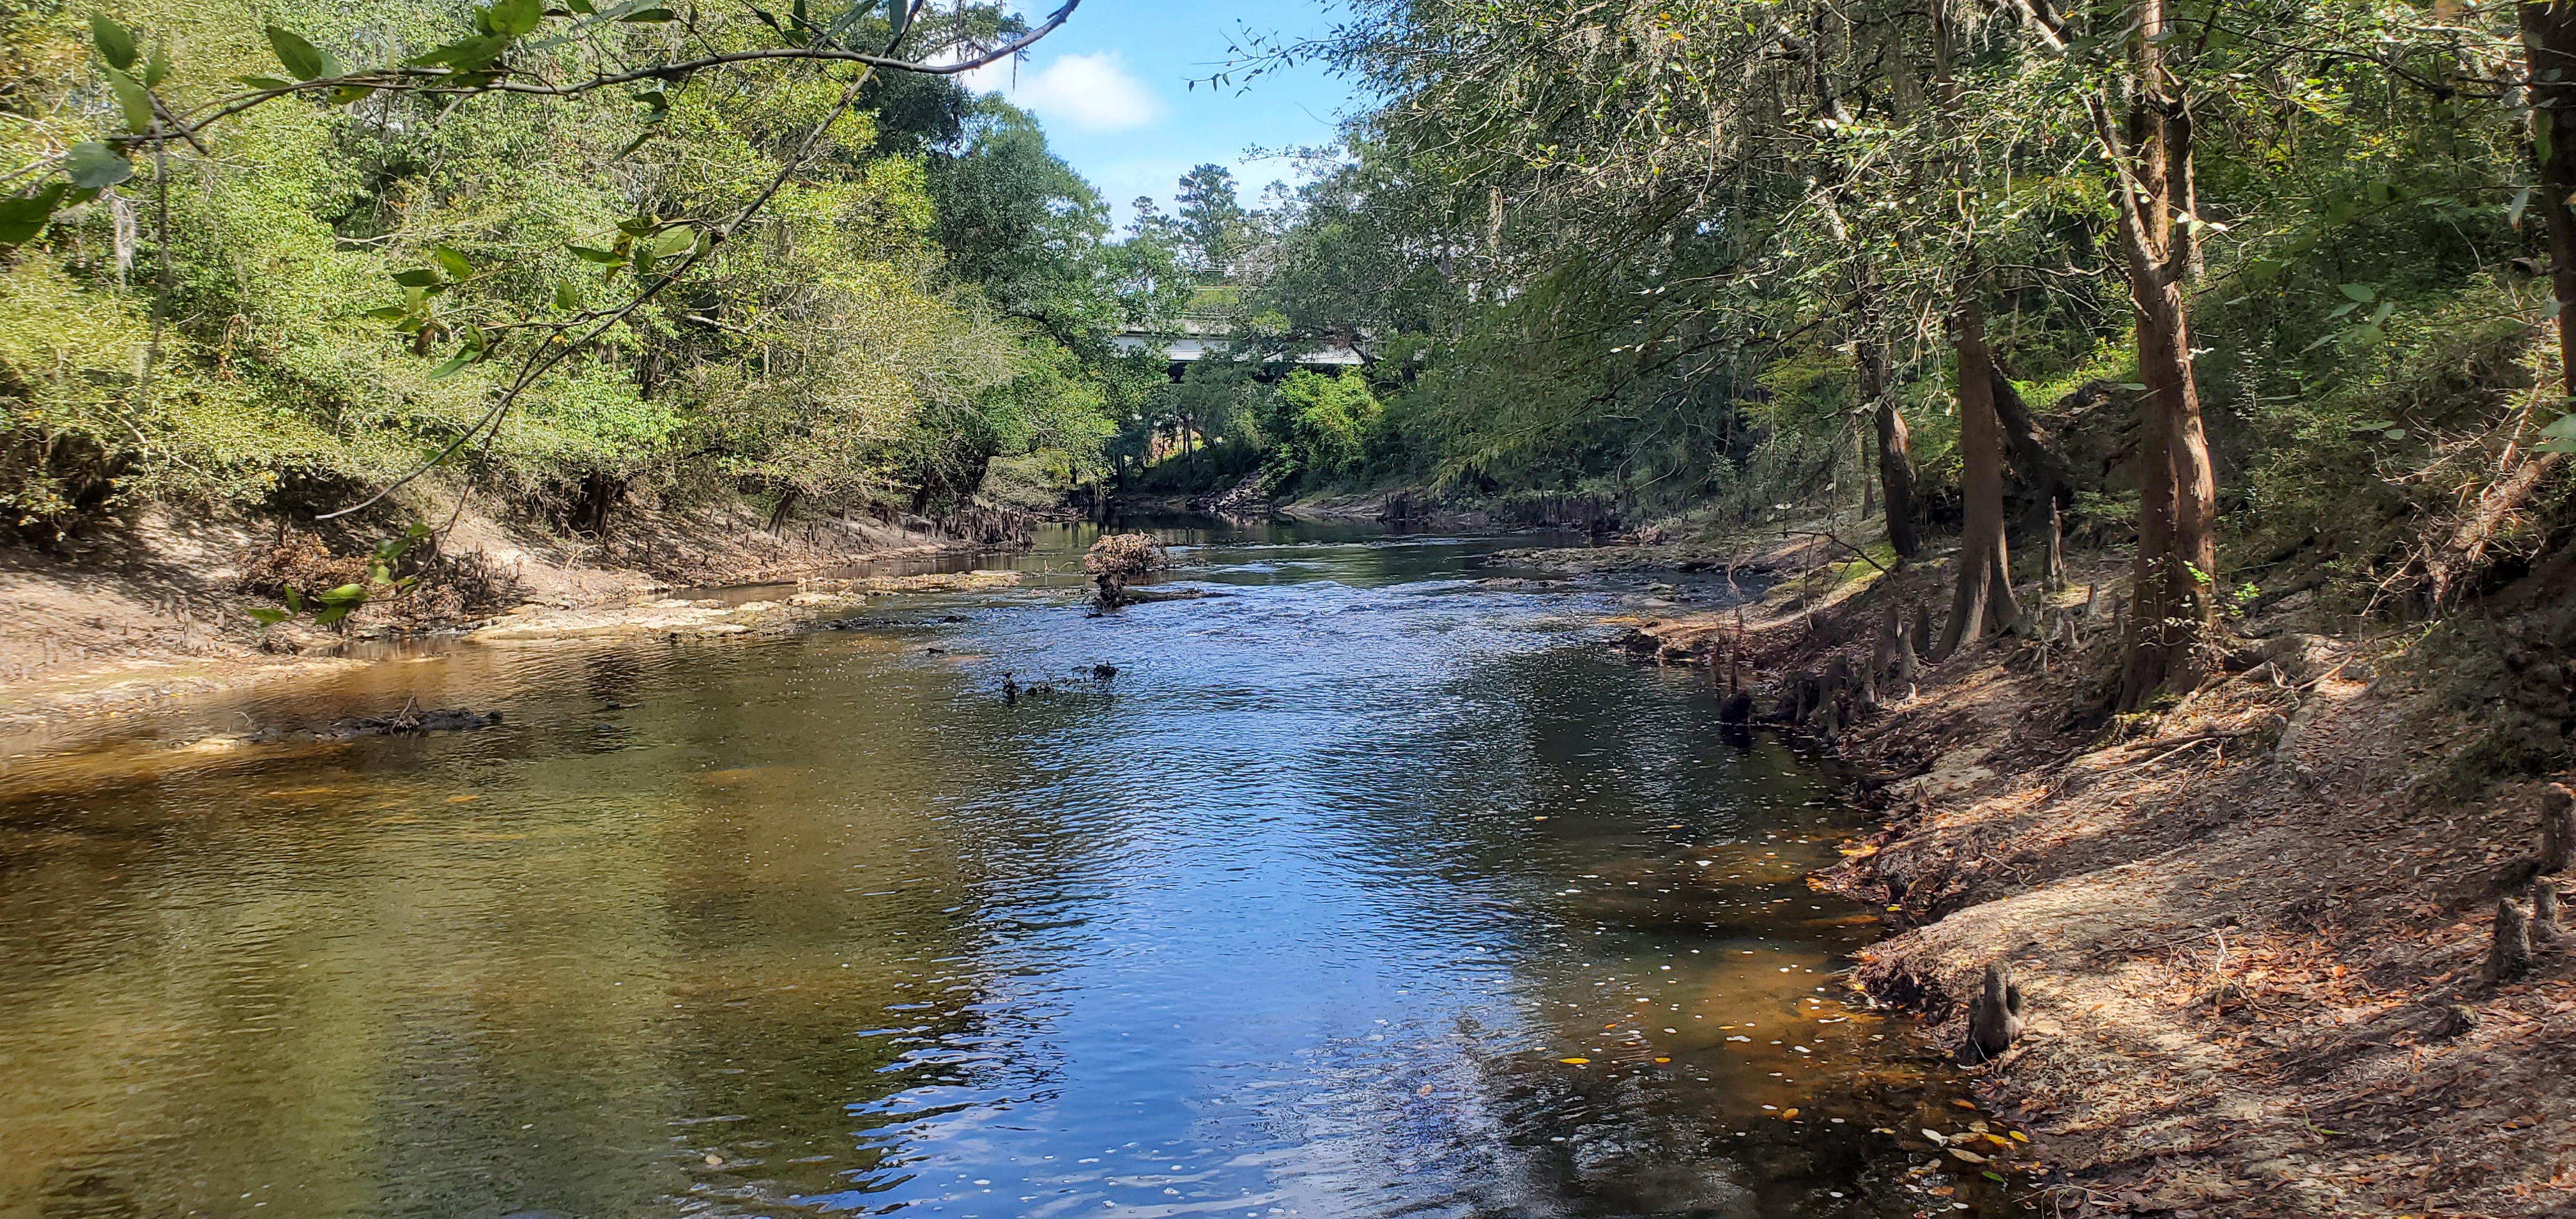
1994,1018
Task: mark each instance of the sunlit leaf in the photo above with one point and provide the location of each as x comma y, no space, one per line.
512,18
454,262
454,362
603,257
265,83
673,240
416,277
2363,293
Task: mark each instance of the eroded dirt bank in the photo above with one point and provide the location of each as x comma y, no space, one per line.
2252,926
157,611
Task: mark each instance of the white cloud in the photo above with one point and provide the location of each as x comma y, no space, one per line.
1091,93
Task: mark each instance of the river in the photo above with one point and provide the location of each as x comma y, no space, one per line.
1360,890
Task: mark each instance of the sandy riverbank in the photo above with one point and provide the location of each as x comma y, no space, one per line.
2251,926
156,612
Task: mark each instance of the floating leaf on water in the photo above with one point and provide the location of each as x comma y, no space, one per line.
1424,1090
1578,1062
1936,1136
2018,1136
1663,1060
1965,1104
1788,1113
1969,1156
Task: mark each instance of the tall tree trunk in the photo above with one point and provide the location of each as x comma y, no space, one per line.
1983,593
2174,583
2549,50
1895,458
1983,596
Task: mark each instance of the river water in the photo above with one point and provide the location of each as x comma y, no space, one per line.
1361,890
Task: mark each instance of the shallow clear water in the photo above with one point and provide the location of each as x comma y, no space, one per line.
1305,913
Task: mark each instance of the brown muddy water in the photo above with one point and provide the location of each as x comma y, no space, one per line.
1359,891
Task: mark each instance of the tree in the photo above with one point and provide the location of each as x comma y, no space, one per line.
1210,221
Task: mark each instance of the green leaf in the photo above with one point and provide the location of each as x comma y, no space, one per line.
131,97
267,617
387,313
649,16
2138,386
294,600
416,277
580,6
303,61
2363,293
637,226
346,594
467,55
157,68
512,18
265,83
454,262
334,614
2375,425
674,240
92,165
115,42
454,362
2513,210
849,17
344,94
24,216
566,296
603,257
2395,433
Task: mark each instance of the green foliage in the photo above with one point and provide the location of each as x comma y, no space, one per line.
1324,426
353,280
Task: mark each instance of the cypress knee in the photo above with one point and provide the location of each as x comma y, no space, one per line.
2557,828
2511,957
1994,1018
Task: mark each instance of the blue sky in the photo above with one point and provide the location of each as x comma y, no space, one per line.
1111,88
